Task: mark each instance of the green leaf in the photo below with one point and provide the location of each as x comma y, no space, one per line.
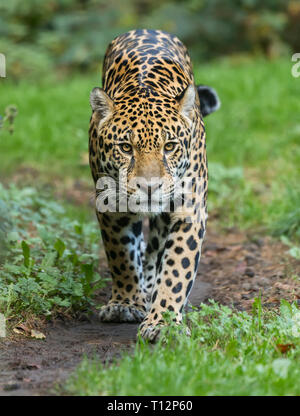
78,229
88,270
61,302
59,247
74,259
26,253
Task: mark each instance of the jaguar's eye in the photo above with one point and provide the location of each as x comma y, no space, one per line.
126,147
169,146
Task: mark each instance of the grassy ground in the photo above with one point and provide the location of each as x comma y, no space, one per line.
254,162
229,353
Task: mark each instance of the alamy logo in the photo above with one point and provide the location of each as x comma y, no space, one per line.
2,65
2,326
296,68
151,196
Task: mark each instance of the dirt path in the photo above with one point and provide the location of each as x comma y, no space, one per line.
234,269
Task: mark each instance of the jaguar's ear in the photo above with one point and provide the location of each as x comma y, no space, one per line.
101,103
186,101
209,100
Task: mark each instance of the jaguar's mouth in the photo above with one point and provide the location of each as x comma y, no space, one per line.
147,198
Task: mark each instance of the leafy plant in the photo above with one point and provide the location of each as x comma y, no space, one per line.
50,259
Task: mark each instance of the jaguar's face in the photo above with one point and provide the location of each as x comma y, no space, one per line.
145,147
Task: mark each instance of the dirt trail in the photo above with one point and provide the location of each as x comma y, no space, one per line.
234,269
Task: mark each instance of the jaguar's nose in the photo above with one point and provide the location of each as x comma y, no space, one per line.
149,188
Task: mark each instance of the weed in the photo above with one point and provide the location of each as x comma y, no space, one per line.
50,259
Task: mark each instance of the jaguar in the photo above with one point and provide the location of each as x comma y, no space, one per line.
146,136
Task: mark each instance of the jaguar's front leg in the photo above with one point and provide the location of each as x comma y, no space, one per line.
158,230
122,236
175,274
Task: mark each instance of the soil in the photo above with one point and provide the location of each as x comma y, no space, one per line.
235,268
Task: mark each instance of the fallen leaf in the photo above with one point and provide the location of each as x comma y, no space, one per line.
284,348
22,329
17,331
37,334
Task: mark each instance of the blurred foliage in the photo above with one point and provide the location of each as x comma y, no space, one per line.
40,36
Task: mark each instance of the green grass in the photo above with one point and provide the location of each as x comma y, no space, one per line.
257,130
258,124
229,353
253,138
51,128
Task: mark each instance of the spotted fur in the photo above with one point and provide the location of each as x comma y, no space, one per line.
147,122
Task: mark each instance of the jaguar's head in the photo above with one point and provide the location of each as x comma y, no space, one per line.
145,143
